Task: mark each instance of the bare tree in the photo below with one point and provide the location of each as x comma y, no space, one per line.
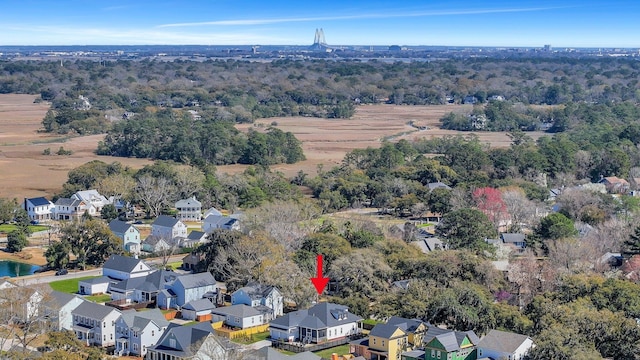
155,193
520,209
571,255
188,181
120,186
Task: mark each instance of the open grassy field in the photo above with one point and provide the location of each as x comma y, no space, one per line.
68,285
26,172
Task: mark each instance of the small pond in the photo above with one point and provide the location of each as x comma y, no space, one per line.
13,268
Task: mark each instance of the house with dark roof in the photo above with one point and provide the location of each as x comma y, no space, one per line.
129,234
415,329
191,287
94,324
168,227
504,345
124,267
390,340
191,342
69,209
58,307
38,209
189,209
515,240
260,296
239,316
157,244
449,344
320,323
213,222
194,239
142,289
137,331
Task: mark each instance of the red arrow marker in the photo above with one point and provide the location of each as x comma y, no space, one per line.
320,282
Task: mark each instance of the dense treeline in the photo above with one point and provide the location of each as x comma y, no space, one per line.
242,91
167,135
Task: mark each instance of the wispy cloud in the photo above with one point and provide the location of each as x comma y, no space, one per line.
245,22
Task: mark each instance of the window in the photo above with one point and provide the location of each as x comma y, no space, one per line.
383,343
374,341
110,336
104,337
433,353
172,343
153,333
104,324
439,354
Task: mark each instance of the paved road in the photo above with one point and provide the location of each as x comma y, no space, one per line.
49,276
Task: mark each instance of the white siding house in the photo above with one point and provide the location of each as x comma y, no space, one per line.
123,267
137,331
38,209
95,324
189,209
240,316
504,345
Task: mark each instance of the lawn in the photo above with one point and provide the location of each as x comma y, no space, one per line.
69,285
253,338
340,350
174,265
99,298
7,228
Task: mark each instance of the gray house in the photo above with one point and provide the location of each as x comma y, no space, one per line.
190,342
167,227
213,222
194,239
137,331
193,309
193,287
123,267
189,209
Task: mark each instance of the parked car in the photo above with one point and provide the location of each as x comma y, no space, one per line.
35,222
62,272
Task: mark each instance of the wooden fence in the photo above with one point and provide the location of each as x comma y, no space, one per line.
234,334
298,348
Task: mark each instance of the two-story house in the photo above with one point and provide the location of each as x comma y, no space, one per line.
504,345
93,199
387,342
39,209
70,209
447,344
189,209
58,307
167,227
95,324
24,302
320,323
190,342
143,289
259,295
129,234
191,287
124,267
137,331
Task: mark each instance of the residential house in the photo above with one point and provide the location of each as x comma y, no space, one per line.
70,209
129,234
515,240
166,299
197,309
194,239
449,344
25,301
192,260
429,244
238,316
260,296
269,353
124,267
157,244
93,199
6,284
387,342
39,209
190,342
95,324
137,331
142,289
58,307
213,222
412,355
168,228
193,287
615,185
322,322
94,286
211,211
504,345
189,209
415,329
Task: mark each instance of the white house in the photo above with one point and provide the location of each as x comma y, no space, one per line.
93,199
25,301
168,228
137,331
258,295
213,222
193,309
123,267
95,324
189,209
195,239
94,286
240,316
38,209
504,345
129,234
70,209
59,306
322,322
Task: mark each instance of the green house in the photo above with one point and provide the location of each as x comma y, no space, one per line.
443,344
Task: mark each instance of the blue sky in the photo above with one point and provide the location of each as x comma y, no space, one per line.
561,23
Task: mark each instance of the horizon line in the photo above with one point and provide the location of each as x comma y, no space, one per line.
341,45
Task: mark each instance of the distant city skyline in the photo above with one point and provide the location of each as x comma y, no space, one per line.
500,23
